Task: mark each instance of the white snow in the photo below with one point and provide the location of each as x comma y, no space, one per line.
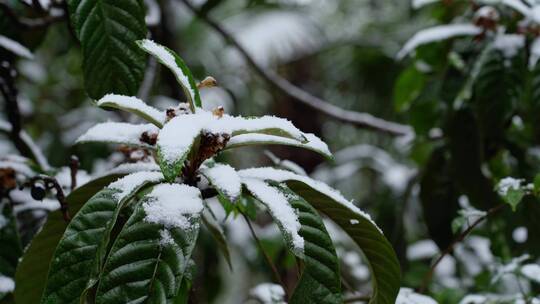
165,237
171,205
268,293
423,249
118,132
473,299
515,4
129,183
313,143
19,167
408,296
534,53
177,136
225,179
268,173
165,57
46,204
133,104
15,47
153,13
279,207
7,284
437,33
535,14
129,168
520,234
531,271
354,222
508,183
416,4
509,44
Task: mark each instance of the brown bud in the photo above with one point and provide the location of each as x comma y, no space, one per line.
149,138
208,82
7,179
218,112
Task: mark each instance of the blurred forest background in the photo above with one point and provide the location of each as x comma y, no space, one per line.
344,52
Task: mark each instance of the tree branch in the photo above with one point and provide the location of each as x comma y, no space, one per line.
21,140
359,119
456,241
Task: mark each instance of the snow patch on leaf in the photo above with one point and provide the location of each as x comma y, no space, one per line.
225,179
268,173
531,271
7,284
437,33
165,237
127,184
408,296
416,4
268,293
281,210
169,60
133,104
509,44
118,132
171,205
508,183
313,142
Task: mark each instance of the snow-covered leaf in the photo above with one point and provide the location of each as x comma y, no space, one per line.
270,125
15,47
531,271
285,216
357,224
180,70
134,105
119,133
153,248
313,142
437,33
85,256
175,142
320,280
416,4
512,191
225,180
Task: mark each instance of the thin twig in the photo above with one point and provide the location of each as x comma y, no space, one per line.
73,168
359,119
457,240
268,260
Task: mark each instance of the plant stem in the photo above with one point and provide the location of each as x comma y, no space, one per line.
266,256
457,240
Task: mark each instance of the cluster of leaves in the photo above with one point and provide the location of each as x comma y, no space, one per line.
470,91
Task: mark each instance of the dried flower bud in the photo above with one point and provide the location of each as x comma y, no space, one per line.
208,82
487,17
149,138
7,179
218,112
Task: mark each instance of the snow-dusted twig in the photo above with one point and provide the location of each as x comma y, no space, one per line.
73,168
359,119
457,240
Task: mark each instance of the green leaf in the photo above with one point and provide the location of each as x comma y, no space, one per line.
218,234
80,255
513,197
9,238
407,88
180,70
380,255
108,29
320,281
133,105
31,275
148,259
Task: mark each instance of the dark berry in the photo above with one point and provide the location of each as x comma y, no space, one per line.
38,191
